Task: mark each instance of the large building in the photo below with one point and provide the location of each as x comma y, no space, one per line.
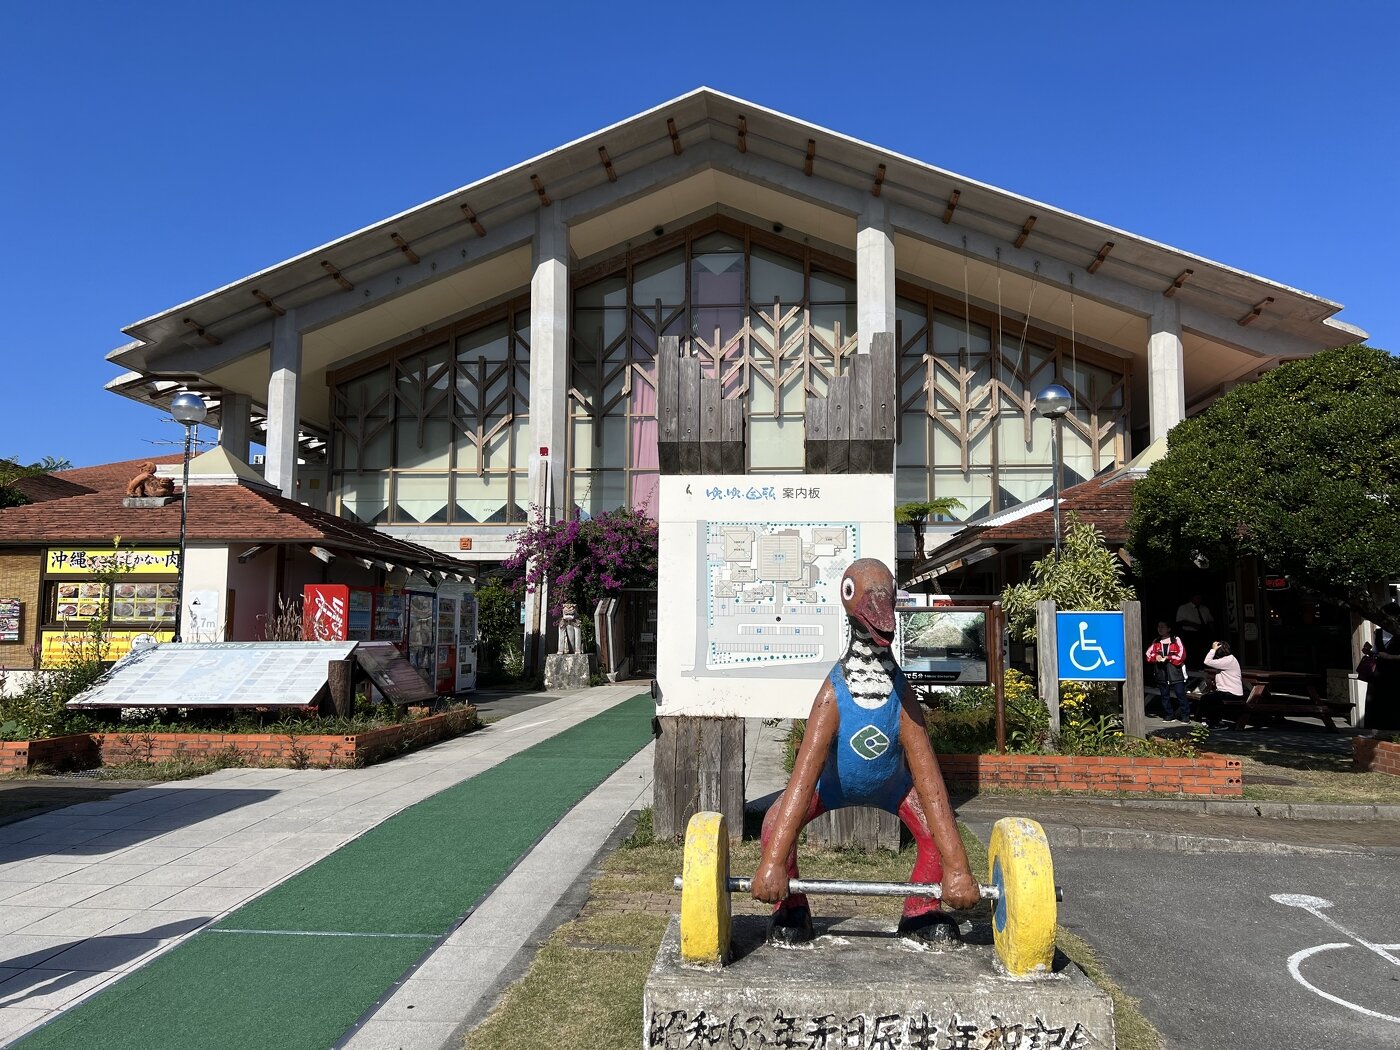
430,374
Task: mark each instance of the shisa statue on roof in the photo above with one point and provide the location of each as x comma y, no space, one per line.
146,484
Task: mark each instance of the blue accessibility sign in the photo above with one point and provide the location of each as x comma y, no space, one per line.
1091,646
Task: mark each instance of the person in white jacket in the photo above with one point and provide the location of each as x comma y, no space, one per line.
1229,685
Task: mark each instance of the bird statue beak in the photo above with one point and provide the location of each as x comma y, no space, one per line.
876,614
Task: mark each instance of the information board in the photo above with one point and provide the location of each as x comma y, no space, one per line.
9,619
392,674
217,674
943,645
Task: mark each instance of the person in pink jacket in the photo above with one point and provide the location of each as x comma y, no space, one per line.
1167,655
1229,686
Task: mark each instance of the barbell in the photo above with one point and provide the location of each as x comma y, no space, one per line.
1020,882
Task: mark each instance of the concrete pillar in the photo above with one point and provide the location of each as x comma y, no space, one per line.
549,389
233,424
1166,369
284,405
549,348
874,272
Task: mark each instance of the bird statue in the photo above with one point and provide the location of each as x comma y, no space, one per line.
866,745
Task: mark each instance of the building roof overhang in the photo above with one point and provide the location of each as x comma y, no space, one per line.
495,216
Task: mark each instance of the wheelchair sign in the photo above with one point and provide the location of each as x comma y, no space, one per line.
1091,647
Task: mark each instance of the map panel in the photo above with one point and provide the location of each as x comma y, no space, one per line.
773,592
217,674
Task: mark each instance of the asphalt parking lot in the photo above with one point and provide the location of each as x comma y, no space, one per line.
1199,939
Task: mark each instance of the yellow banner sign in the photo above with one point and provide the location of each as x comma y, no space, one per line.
58,648
84,562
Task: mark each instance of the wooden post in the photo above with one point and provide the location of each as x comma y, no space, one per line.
838,426
340,676
690,415
883,378
1047,664
1134,715
862,417
698,765
994,631
815,435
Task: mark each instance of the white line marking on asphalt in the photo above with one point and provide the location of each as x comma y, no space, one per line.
1315,906
1295,961
329,933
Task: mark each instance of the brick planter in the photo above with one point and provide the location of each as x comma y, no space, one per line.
60,752
1375,756
281,749
84,750
1205,774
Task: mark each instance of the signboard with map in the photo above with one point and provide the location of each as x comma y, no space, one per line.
774,592
217,674
748,573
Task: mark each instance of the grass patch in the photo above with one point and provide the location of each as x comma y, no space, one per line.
175,768
584,988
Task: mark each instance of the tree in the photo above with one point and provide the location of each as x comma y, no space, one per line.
12,471
916,514
1085,575
584,561
1300,469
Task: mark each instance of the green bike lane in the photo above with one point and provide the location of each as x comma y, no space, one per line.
299,965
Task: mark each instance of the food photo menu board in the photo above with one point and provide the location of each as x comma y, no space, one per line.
9,619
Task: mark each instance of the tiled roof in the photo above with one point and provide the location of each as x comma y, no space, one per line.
104,477
217,514
1104,503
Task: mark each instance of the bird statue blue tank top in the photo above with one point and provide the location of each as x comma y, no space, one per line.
865,766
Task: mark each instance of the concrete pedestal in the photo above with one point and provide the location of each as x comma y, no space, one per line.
858,985
566,672
147,502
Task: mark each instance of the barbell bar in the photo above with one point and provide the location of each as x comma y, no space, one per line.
1020,882
850,888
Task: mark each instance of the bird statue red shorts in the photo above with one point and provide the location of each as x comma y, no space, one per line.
866,745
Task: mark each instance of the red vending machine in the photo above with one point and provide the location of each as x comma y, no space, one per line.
325,612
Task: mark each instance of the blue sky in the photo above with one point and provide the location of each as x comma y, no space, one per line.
156,151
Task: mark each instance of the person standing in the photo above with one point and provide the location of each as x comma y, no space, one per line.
1167,655
1383,691
1196,624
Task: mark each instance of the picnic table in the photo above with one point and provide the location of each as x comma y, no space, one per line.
1275,695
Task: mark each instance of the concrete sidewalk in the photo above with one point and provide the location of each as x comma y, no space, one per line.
95,890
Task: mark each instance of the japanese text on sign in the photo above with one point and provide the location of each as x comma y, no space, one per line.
759,493
81,562
676,1029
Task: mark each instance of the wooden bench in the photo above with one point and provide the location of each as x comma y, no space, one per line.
1275,695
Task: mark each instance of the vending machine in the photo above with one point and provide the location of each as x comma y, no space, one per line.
457,633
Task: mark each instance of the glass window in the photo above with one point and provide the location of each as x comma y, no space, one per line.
365,497
662,278
717,278
775,444
828,287
420,498
483,499
596,491
773,276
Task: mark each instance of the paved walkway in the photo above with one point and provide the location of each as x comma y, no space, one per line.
93,891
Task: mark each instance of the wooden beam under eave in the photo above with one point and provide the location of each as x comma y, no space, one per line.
743,135
199,330
539,189
675,136
879,181
335,274
607,163
266,300
471,218
811,156
404,247
1026,228
1175,286
1255,311
952,206
1093,267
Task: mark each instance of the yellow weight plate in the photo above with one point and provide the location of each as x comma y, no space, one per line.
1023,921
705,918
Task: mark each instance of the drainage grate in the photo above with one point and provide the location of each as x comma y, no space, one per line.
81,774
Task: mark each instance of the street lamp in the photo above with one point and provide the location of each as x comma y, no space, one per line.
1052,403
189,411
